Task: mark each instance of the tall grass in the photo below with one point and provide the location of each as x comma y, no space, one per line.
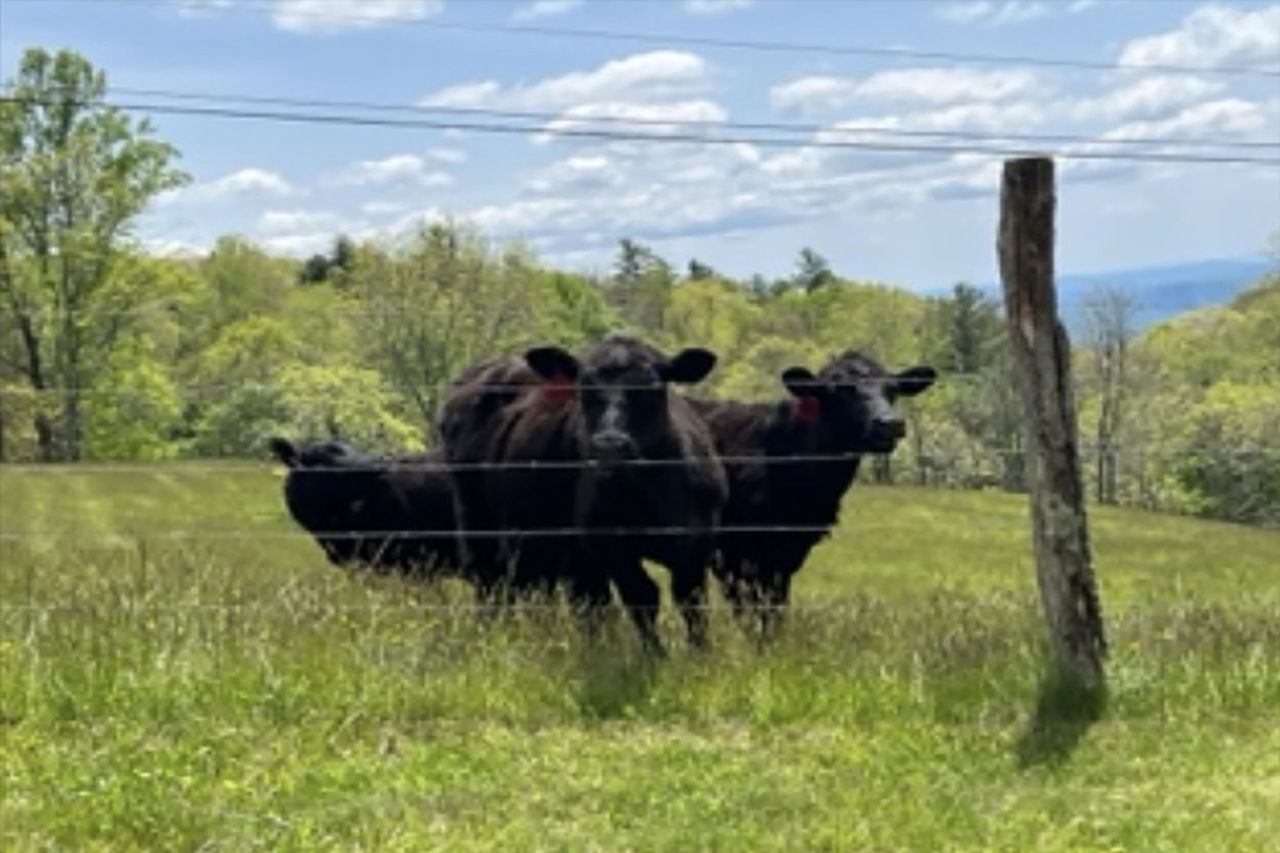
241,693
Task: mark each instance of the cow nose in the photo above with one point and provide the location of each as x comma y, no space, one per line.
612,445
894,428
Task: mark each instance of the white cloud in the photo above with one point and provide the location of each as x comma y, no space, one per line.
383,208
296,221
964,13
1010,117
544,9
947,85
245,182
714,7
305,232
575,174
620,188
813,93
648,76
395,169
1226,116
332,16
172,247
201,8
997,14
1078,6
473,94
655,119
447,155
817,165
413,221
1149,97
1212,36
298,244
924,85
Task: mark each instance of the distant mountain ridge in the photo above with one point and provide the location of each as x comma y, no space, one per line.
1160,291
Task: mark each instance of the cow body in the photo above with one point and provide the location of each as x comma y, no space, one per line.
597,468
790,463
390,514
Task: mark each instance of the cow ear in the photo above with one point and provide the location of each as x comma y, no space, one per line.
284,451
554,364
689,366
913,380
801,382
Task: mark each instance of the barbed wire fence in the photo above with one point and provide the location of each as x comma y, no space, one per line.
793,135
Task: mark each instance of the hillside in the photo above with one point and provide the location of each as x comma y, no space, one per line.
1160,291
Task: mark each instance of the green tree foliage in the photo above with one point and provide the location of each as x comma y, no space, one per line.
812,271
1209,393
698,271
318,268
107,353
447,297
308,401
76,173
641,286
711,313
1105,375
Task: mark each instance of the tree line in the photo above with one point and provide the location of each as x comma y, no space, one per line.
110,353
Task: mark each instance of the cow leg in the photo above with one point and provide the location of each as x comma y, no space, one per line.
743,592
776,590
689,589
641,596
589,597
486,567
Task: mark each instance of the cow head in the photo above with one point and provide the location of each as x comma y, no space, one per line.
851,400
620,385
328,484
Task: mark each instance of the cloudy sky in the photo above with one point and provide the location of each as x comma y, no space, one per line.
921,218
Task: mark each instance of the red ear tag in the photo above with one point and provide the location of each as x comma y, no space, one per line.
559,388
807,409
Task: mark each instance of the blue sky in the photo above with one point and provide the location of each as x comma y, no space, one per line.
922,219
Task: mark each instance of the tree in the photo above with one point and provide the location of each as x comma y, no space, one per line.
76,173
1110,323
315,269
812,271
633,259
963,335
431,307
320,268
641,286
699,271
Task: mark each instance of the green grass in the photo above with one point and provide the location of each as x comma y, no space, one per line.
241,693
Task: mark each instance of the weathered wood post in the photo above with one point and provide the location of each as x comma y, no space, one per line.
1042,361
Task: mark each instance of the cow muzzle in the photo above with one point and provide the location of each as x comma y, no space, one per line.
612,446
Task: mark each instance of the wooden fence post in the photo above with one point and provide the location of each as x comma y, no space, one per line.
1042,361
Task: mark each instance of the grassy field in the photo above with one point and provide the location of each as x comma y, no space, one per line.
237,692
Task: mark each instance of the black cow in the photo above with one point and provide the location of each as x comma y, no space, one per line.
789,464
471,425
391,514
596,467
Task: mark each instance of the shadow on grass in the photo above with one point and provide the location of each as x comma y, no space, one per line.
613,681
1065,709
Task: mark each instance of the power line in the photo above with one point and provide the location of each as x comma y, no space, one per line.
768,46
668,138
781,127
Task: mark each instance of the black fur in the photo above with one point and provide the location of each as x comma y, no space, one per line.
390,514
591,424
845,411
